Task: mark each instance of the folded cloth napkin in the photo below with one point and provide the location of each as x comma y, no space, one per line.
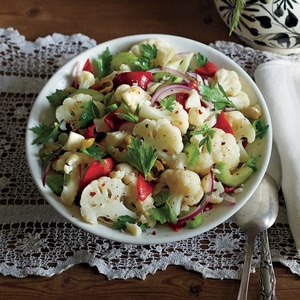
279,82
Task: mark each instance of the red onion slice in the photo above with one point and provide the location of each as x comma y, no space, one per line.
173,72
200,208
169,90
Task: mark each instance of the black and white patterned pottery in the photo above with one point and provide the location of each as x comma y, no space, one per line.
273,27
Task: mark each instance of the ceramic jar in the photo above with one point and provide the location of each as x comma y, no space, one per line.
272,27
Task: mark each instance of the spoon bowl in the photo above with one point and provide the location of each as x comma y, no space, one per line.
257,215
261,211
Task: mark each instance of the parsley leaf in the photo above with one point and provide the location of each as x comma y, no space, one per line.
168,103
251,163
121,222
141,156
56,182
260,128
57,98
47,157
91,112
104,61
129,116
163,211
208,134
201,60
217,96
95,152
148,53
45,133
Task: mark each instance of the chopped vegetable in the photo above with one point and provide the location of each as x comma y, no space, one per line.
142,79
96,170
152,136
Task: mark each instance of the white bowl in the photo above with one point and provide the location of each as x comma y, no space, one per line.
42,113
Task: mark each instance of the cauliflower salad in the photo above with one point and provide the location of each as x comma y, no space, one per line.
149,136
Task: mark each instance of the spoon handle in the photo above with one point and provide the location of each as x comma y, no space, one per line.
267,279
249,248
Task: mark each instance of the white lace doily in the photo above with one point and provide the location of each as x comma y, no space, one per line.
36,240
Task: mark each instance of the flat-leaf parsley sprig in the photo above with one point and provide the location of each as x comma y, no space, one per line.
215,95
141,156
208,134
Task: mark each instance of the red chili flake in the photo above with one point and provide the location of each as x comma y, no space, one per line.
153,232
92,194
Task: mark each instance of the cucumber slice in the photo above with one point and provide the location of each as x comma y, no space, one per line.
232,179
95,94
124,58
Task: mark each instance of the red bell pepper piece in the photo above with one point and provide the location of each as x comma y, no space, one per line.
181,98
228,189
222,123
90,131
144,188
88,66
194,85
140,78
207,70
113,121
96,170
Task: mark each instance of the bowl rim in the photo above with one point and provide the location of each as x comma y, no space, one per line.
159,234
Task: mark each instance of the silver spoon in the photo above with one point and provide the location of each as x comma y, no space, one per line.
257,215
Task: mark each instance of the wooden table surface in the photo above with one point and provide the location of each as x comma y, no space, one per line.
104,20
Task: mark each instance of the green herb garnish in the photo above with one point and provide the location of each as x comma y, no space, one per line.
141,156
148,53
91,111
251,163
57,98
208,134
129,116
163,211
45,133
201,60
56,182
95,152
121,223
168,103
260,128
104,61
217,96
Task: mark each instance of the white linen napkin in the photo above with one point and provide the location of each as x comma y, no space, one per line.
279,82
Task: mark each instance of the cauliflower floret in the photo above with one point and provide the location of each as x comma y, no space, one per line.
160,134
185,188
129,177
69,163
193,100
229,80
175,161
164,51
180,64
71,110
197,115
85,79
132,95
104,198
241,126
178,117
218,189
241,100
224,148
